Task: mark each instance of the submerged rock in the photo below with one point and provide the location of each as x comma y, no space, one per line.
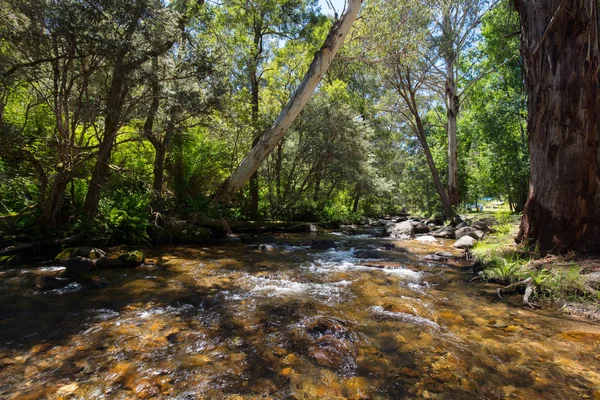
400,230
109,263
49,283
78,267
465,242
323,244
330,342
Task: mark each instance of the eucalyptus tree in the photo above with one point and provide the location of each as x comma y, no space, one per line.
453,31
560,48
256,26
394,34
297,102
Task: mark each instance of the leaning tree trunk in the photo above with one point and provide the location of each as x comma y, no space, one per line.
267,143
560,50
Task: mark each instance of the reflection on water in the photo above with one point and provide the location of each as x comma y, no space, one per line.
373,319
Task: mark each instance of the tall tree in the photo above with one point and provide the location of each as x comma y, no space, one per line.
315,73
394,34
144,30
560,47
256,24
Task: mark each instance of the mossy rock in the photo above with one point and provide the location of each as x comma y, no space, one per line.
10,260
132,259
65,255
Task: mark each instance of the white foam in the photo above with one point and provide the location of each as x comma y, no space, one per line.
410,318
275,287
345,260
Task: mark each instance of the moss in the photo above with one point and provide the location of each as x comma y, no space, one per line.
10,260
132,259
65,255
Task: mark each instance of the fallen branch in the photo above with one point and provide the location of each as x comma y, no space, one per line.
529,290
71,240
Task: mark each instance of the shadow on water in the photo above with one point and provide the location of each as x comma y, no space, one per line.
231,320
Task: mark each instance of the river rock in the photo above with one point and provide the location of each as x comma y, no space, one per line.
78,267
400,230
330,342
485,224
592,279
323,244
368,254
465,231
461,225
446,232
132,259
427,239
49,283
265,247
465,242
109,263
419,227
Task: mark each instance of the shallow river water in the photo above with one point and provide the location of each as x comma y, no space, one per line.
372,319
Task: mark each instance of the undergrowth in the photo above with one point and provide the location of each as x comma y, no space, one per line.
502,261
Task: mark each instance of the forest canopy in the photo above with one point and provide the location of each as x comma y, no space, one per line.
114,112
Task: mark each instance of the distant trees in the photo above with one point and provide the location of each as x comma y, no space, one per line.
110,111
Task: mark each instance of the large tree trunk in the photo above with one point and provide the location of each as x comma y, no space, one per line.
316,71
560,50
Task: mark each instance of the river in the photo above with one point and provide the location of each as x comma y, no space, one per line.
372,319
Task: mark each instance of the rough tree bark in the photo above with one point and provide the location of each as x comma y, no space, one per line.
451,130
269,140
560,51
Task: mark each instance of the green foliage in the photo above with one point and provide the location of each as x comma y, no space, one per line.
124,217
502,271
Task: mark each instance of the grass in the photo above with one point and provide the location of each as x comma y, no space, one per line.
554,278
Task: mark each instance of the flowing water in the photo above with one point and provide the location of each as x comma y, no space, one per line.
372,319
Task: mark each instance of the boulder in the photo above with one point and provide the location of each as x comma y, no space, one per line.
427,239
78,267
485,224
49,283
461,225
323,244
592,279
465,242
446,232
109,263
132,259
349,229
465,231
400,230
96,253
419,227
477,235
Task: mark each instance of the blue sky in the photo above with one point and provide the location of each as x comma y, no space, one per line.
338,4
